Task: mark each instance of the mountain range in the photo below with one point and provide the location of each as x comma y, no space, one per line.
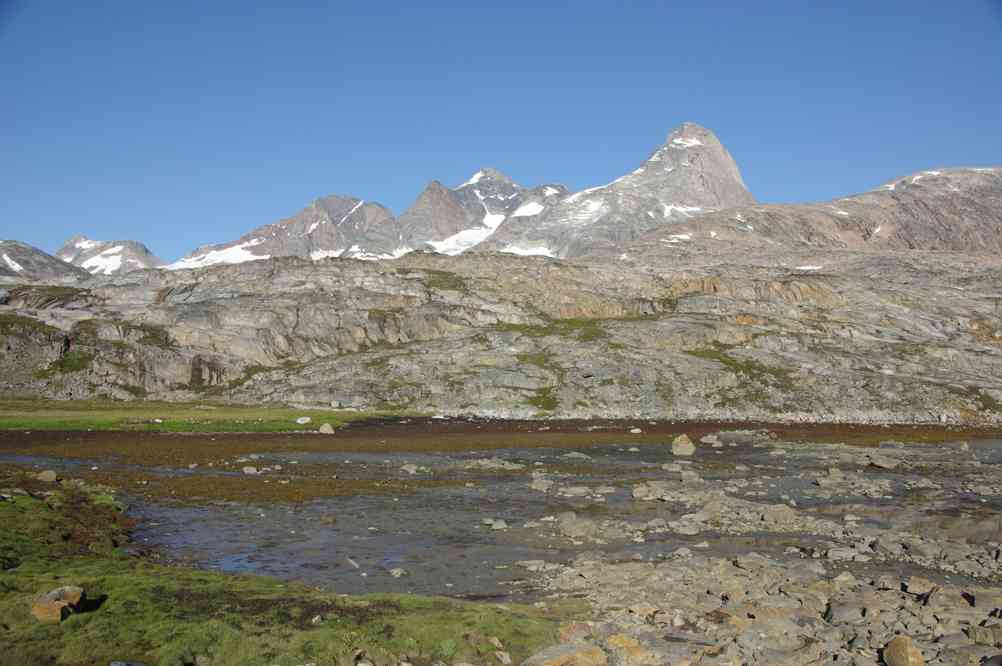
668,293
688,194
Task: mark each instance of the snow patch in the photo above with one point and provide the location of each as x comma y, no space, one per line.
317,255
529,209
356,252
676,238
713,234
577,195
680,143
237,254
14,266
348,214
677,208
550,191
809,268
541,251
474,179
840,212
86,244
106,262
467,238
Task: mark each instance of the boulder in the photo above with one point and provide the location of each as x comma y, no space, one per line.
55,606
48,476
682,446
901,651
326,429
568,654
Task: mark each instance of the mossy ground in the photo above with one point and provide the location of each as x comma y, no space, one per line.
71,534
166,416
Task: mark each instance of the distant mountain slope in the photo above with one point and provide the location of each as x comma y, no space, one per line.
944,210
107,257
692,172
20,261
687,196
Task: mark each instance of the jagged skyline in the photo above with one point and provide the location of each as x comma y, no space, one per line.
120,126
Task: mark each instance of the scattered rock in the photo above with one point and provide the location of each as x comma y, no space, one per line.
568,654
251,470
919,585
398,572
901,651
882,462
682,446
495,523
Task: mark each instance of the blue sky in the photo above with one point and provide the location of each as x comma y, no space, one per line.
188,122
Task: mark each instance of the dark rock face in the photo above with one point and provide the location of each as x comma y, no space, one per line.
22,262
107,257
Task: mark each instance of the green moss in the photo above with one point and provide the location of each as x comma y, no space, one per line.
12,324
73,415
583,330
445,280
171,615
544,399
248,374
141,333
72,361
758,377
751,369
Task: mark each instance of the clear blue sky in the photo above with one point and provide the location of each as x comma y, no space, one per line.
187,122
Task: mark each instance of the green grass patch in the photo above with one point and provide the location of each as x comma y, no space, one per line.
751,369
543,399
171,616
174,417
759,376
582,330
12,324
445,280
72,361
142,333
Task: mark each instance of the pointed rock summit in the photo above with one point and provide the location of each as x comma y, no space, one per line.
691,169
691,174
487,175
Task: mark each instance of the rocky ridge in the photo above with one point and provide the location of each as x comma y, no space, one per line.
20,262
107,257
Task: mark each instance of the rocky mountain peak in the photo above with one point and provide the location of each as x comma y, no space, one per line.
692,169
107,257
487,175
